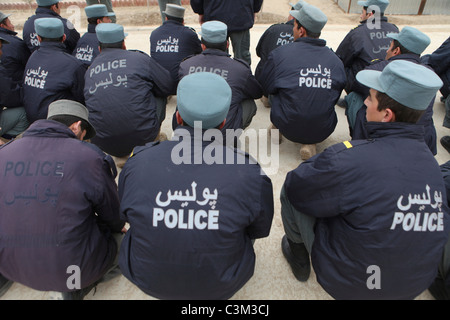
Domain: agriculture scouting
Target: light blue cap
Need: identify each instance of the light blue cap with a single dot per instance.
(298, 5)
(46, 3)
(110, 33)
(382, 4)
(203, 96)
(310, 17)
(97, 11)
(214, 31)
(408, 83)
(412, 39)
(51, 28)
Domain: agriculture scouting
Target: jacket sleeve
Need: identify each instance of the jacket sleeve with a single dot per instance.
(257, 5)
(266, 76)
(439, 60)
(253, 89)
(161, 78)
(346, 50)
(107, 204)
(261, 225)
(315, 187)
(77, 89)
(10, 92)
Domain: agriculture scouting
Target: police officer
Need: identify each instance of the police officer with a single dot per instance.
(13, 119)
(125, 94)
(172, 42)
(238, 15)
(51, 73)
(372, 213)
(275, 36)
(87, 47)
(406, 45)
(236, 72)
(49, 9)
(16, 53)
(439, 60)
(303, 92)
(366, 42)
(109, 7)
(60, 212)
(195, 243)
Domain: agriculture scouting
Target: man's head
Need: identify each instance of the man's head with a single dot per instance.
(110, 35)
(74, 115)
(2, 41)
(174, 12)
(296, 6)
(409, 40)
(214, 35)
(370, 7)
(5, 22)
(400, 93)
(309, 21)
(50, 4)
(49, 29)
(97, 14)
(204, 97)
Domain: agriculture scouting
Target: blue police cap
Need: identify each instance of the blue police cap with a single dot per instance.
(310, 17)
(412, 39)
(110, 33)
(382, 4)
(408, 83)
(97, 11)
(46, 3)
(214, 31)
(51, 28)
(203, 96)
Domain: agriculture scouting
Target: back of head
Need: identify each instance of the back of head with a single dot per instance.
(411, 39)
(49, 28)
(377, 5)
(214, 34)
(110, 33)
(311, 18)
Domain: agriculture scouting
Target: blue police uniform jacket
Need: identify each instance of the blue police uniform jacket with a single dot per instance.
(275, 36)
(120, 91)
(171, 43)
(236, 72)
(15, 55)
(58, 207)
(30, 36)
(10, 91)
(439, 60)
(360, 132)
(303, 90)
(87, 47)
(51, 74)
(362, 45)
(191, 230)
(238, 15)
(380, 205)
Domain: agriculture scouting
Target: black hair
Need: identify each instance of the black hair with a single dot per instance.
(373, 11)
(403, 50)
(44, 39)
(309, 33)
(181, 20)
(220, 46)
(402, 113)
(68, 120)
(115, 45)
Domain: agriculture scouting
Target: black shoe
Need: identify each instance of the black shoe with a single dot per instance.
(342, 103)
(78, 294)
(438, 289)
(445, 142)
(299, 262)
(5, 284)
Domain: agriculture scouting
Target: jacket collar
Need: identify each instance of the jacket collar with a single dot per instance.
(8, 31)
(49, 129)
(40, 10)
(395, 130)
(312, 41)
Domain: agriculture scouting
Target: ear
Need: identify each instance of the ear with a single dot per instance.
(124, 47)
(179, 119)
(389, 116)
(203, 47)
(64, 38)
(222, 124)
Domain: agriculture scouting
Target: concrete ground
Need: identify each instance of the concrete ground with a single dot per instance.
(273, 279)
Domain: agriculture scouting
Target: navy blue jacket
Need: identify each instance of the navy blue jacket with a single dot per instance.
(51, 74)
(238, 15)
(275, 36)
(58, 207)
(439, 60)
(87, 47)
(370, 198)
(304, 90)
(362, 45)
(10, 91)
(360, 131)
(171, 43)
(120, 92)
(198, 247)
(30, 36)
(15, 55)
(236, 72)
